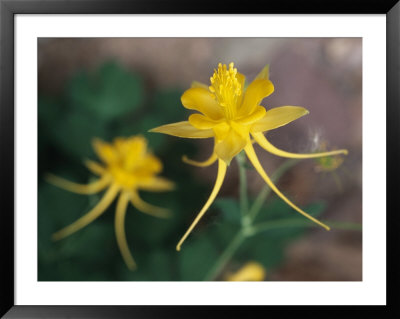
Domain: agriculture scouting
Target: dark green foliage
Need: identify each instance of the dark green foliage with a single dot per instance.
(268, 247)
(108, 93)
(197, 257)
(230, 209)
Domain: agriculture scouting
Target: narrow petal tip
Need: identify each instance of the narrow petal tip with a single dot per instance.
(153, 130)
(131, 267)
(344, 152)
(156, 129)
(178, 247)
(205, 163)
(166, 214)
(50, 178)
(55, 237)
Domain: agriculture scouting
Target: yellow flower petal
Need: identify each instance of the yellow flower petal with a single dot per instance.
(221, 131)
(251, 271)
(148, 208)
(94, 167)
(156, 184)
(201, 99)
(132, 151)
(152, 164)
(91, 188)
(183, 129)
(278, 117)
(218, 183)
(264, 74)
(242, 81)
(105, 151)
(230, 146)
(254, 160)
(205, 163)
(90, 216)
(265, 144)
(196, 84)
(120, 230)
(202, 122)
(258, 114)
(255, 93)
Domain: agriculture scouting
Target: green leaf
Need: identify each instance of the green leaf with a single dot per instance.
(49, 109)
(149, 232)
(73, 134)
(156, 141)
(53, 212)
(197, 257)
(264, 249)
(160, 265)
(230, 209)
(109, 92)
(168, 106)
(222, 233)
(164, 107)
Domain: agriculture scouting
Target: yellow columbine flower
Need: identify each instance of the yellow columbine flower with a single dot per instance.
(251, 271)
(127, 168)
(231, 114)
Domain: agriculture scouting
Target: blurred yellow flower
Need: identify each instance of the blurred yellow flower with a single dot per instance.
(251, 271)
(231, 114)
(126, 168)
(327, 163)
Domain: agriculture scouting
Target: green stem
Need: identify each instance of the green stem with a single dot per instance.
(302, 223)
(247, 215)
(264, 193)
(244, 203)
(225, 257)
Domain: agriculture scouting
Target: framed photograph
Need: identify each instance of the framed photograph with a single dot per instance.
(158, 155)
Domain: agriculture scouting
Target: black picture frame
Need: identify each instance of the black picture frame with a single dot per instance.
(8, 10)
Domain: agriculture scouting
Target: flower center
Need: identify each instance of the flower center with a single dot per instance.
(131, 162)
(226, 88)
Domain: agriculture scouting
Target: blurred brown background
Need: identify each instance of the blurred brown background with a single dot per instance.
(323, 75)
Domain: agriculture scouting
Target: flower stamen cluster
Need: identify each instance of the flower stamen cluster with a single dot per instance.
(226, 89)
